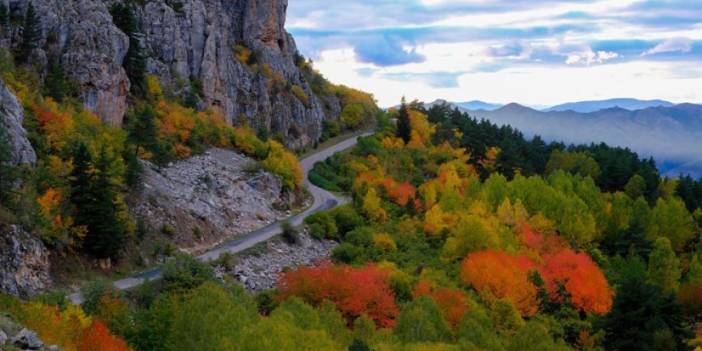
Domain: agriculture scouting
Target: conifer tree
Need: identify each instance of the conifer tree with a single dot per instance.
(135, 61)
(31, 33)
(664, 266)
(8, 172)
(56, 84)
(4, 16)
(98, 205)
(404, 128)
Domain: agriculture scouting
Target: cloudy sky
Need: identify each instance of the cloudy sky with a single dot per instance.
(536, 52)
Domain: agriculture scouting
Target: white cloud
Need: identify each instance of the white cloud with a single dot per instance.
(671, 45)
(589, 57)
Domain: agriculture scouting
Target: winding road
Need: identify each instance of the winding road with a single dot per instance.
(323, 200)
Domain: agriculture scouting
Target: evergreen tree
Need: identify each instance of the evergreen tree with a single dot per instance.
(8, 172)
(4, 16)
(404, 128)
(142, 129)
(56, 84)
(641, 313)
(359, 345)
(31, 33)
(135, 61)
(98, 205)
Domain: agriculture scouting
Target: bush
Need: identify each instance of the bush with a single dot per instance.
(300, 95)
(322, 225)
(93, 293)
(185, 273)
(290, 234)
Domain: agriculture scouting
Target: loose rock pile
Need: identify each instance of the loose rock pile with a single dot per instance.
(260, 271)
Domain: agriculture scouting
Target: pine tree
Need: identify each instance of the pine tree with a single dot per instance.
(56, 84)
(4, 16)
(404, 128)
(135, 61)
(8, 172)
(31, 33)
(98, 206)
(142, 129)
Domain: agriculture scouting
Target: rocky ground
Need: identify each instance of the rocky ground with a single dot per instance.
(259, 271)
(207, 199)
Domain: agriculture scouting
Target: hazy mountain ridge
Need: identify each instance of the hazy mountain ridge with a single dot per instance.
(670, 134)
(596, 105)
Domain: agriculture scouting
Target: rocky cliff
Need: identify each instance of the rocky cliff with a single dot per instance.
(11, 117)
(187, 41)
(24, 262)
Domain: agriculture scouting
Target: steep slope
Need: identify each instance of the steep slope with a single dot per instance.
(186, 43)
(594, 106)
(670, 134)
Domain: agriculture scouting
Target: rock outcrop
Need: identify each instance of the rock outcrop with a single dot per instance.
(91, 49)
(197, 41)
(11, 117)
(209, 198)
(24, 263)
(187, 41)
(14, 337)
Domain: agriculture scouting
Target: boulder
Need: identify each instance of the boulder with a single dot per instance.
(27, 340)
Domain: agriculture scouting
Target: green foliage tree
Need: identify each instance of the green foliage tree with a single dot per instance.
(671, 219)
(186, 273)
(404, 127)
(664, 266)
(31, 34)
(573, 162)
(694, 273)
(209, 316)
(635, 187)
(421, 321)
(141, 127)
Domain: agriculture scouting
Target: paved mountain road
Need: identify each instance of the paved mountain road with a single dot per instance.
(323, 200)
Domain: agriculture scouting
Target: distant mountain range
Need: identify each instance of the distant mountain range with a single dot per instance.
(672, 134)
(594, 106)
(580, 106)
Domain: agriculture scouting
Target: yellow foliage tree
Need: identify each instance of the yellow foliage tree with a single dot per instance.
(285, 164)
(372, 207)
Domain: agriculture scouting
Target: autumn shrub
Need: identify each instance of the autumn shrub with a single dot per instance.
(285, 164)
(301, 95)
(354, 291)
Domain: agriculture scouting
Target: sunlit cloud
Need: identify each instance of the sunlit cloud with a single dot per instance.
(505, 50)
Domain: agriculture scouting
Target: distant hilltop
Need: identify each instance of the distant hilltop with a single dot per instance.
(669, 133)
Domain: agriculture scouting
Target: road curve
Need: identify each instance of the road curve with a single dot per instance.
(323, 200)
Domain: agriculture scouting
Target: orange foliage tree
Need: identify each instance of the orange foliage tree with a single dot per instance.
(498, 275)
(98, 337)
(400, 193)
(581, 279)
(354, 291)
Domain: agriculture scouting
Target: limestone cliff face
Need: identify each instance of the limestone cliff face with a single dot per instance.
(187, 40)
(11, 117)
(24, 263)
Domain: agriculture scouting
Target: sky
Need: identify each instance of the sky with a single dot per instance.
(535, 52)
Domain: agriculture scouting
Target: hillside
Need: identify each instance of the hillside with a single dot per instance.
(594, 106)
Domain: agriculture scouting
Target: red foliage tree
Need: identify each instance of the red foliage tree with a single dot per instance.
(580, 278)
(498, 275)
(451, 302)
(98, 337)
(400, 193)
(354, 291)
